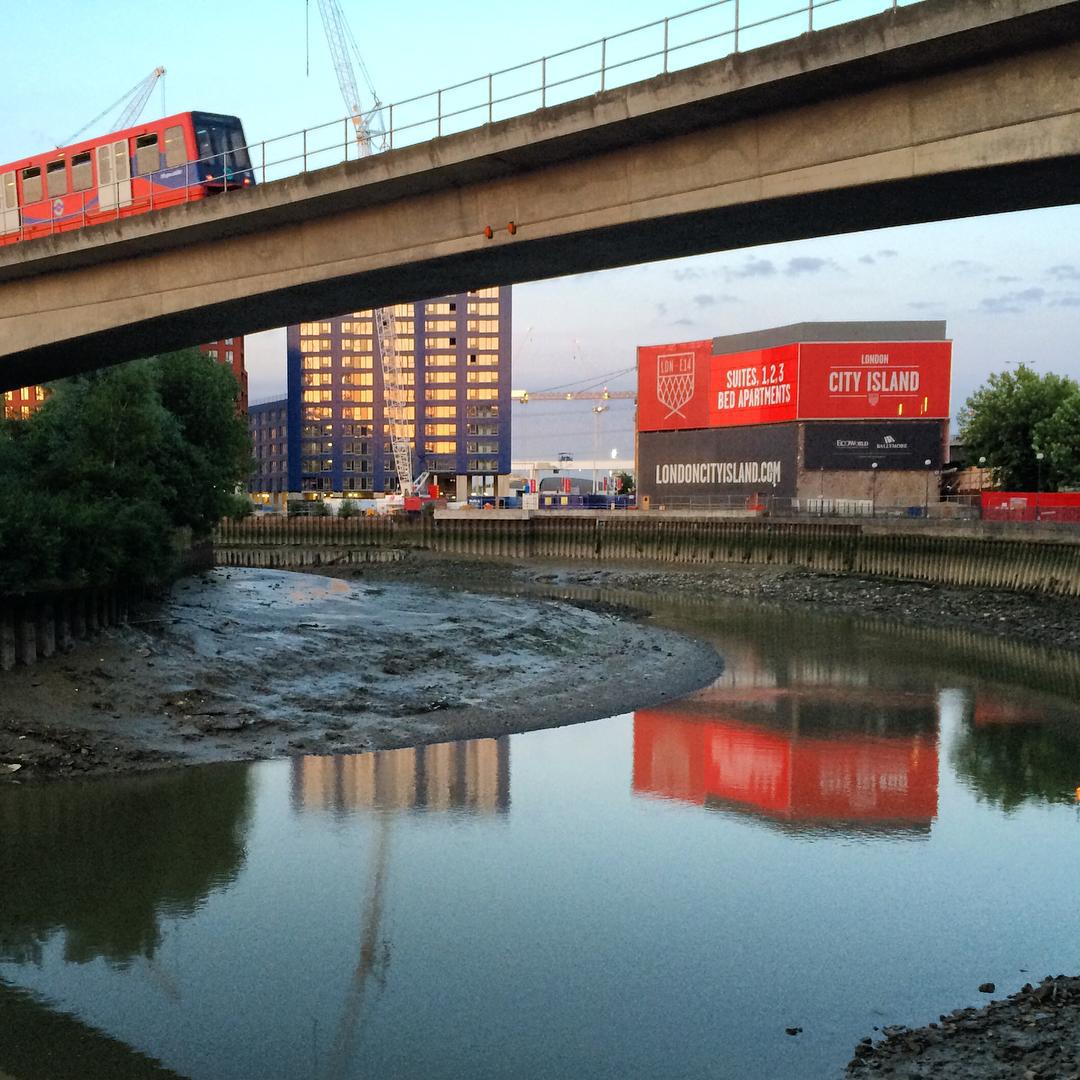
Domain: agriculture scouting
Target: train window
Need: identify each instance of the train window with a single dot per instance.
(31, 184)
(82, 172)
(146, 154)
(9, 203)
(175, 151)
(56, 178)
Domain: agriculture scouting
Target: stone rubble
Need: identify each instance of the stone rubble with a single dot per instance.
(1032, 1035)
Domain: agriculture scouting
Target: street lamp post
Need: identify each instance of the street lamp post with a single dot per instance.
(597, 411)
(926, 496)
(1038, 483)
(873, 489)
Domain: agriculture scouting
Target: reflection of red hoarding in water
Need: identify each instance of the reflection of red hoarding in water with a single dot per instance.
(859, 779)
(684, 386)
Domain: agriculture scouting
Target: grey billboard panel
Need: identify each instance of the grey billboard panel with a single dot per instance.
(901, 444)
(718, 461)
(885, 330)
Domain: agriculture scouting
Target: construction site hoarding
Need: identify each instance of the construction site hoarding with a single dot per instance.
(838, 445)
(681, 387)
(674, 386)
(755, 460)
(860, 380)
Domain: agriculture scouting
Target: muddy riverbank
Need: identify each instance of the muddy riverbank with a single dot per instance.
(248, 664)
(1042, 620)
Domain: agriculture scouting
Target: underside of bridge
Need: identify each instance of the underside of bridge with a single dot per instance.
(945, 109)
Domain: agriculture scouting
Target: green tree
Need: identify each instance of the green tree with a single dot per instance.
(208, 453)
(1058, 436)
(1016, 414)
(624, 483)
(97, 480)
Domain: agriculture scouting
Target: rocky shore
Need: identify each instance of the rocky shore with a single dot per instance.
(1032, 1035)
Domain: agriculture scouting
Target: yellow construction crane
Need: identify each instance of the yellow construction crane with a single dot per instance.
(523, 397)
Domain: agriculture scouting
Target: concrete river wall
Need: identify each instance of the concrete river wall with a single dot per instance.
(994, 555)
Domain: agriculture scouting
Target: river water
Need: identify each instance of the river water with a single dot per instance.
(855, 826)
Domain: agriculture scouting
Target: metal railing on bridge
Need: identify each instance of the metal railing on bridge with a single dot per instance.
(674, 43)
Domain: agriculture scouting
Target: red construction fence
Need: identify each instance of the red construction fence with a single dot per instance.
(1031, 506)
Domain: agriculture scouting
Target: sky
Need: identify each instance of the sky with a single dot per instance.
(1008, 285)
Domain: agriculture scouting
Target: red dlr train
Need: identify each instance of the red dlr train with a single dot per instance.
(161, 163)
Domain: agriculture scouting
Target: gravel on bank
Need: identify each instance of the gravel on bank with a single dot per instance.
(1032, 1035)
(244, 664)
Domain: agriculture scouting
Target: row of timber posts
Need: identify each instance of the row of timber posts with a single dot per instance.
(40, 625)
(966, 556)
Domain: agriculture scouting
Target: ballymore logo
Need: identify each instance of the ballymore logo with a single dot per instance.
(675, 382)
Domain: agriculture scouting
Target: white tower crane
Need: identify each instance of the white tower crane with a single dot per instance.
(131, 105)
(347, 61)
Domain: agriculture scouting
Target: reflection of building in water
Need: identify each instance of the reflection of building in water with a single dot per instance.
(473, 775)
(822, 780)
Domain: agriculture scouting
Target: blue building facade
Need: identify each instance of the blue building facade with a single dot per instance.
(268, 426)
(455, 353)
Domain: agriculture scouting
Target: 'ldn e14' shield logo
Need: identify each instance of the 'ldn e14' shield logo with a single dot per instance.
(675, 381)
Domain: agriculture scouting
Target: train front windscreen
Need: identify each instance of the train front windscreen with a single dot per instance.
(223, 148)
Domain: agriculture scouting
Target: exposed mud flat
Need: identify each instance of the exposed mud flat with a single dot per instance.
(245, 664)
(1047, 620)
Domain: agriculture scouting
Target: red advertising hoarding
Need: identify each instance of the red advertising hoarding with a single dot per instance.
(684, 386)
(759, 387)
(860, 380)
(673, 386)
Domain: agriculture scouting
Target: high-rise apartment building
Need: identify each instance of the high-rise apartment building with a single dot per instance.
(455, 354)
(230, 352)
(19, 404)
(268, 427)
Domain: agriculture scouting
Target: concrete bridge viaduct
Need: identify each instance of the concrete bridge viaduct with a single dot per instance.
(944, 109)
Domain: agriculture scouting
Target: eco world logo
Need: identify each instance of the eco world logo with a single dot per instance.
(675, 382)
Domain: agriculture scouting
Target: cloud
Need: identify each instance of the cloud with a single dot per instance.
(683, 322)
(1064, 272)
(926, 305)
(868, 259)
(888, 253)
(661, 311)
(1012, 303)
(754, 268)
(964, 267)
(805, 264)
(709, 299)
(1006, 279)
(1066, 301)
(688, 273)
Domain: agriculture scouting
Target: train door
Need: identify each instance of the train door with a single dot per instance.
(9, 204)
(114, 175)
